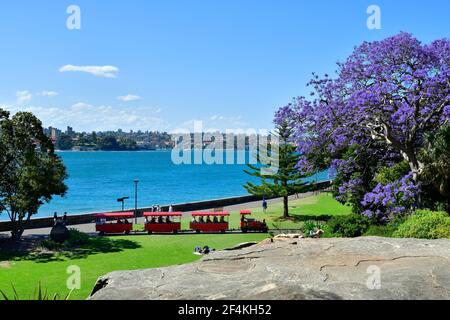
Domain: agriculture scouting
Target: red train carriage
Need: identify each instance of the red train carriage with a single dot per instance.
(252, 225)
(163, 222)
(114, 223)
(210, 222)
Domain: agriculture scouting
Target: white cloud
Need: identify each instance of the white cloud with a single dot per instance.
(86, 117)
(129, 98)
(223, 118)
(98, 71)
(49, 94)
(23, 96)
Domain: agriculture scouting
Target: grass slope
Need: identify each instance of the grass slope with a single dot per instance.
(104, 255)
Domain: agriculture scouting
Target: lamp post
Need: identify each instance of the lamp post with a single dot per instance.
(135, 199)
(123, 202)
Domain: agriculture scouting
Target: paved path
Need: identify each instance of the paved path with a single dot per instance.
(90, 228)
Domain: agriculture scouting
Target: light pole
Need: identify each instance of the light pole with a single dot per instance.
(123, 202)
(135, 199)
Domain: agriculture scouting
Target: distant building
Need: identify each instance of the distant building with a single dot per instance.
(70, 131)
(54, 134)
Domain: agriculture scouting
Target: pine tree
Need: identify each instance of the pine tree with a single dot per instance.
(287, 180)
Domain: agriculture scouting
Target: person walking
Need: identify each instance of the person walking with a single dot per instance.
(264, 205)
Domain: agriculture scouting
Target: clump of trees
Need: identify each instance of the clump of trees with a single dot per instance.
(30, 171)
(381, 125)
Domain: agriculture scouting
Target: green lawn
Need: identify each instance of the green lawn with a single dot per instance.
(108, 254)
(128, 253)
(320, 207)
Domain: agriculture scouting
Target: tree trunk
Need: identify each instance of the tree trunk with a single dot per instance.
(409, 154)
(286, 207)
(16, 230)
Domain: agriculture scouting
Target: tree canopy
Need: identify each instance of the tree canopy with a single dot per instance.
(287, 179)
(30, 171)
(374, 114)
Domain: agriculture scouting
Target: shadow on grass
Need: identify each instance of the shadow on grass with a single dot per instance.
(95, 245)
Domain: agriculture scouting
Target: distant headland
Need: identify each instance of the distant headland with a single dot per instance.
(119, 140)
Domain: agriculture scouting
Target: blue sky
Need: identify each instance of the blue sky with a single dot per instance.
(228, 63)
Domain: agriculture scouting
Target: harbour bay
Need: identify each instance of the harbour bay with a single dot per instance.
(97, 179)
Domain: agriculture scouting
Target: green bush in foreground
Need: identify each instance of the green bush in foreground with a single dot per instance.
(387, 230)
(425, 224)
(76, 239)
(349, 226)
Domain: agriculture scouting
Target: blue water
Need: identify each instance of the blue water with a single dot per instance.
(97, 179)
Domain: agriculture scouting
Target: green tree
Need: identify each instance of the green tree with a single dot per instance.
(436, 157)
(108, 143)
(127, 144)
(64, 142)
(284, 182)
(30, 171)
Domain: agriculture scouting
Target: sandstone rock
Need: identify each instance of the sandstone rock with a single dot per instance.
(289, 236)
(306, 269)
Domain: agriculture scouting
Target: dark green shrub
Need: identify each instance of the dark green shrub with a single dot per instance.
(310, 225)
(76, 239)
(349, 226)
(49, 244)
(380, 231)
(425, 224)
(386, 230)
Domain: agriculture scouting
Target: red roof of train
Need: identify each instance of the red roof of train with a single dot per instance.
(246, 212)
(115, 215)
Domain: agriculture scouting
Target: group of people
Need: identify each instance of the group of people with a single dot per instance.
(202, 251)
(58, 220)
(208, 219)
(158, 208)
(159, 220)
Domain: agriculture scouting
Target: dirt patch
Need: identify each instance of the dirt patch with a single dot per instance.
(5, 265)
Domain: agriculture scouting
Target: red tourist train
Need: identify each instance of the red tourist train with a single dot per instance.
(114, 223)
(170, 222)
(163, 222)
(252, 225)
(210, 222)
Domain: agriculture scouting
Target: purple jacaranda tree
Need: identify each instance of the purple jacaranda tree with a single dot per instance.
(387, 95)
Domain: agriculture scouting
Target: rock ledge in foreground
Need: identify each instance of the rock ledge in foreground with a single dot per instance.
(296, 269)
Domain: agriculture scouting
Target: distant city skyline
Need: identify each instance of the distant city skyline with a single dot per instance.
(162, 65)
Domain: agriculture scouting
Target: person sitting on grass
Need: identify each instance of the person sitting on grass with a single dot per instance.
(316, 234)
